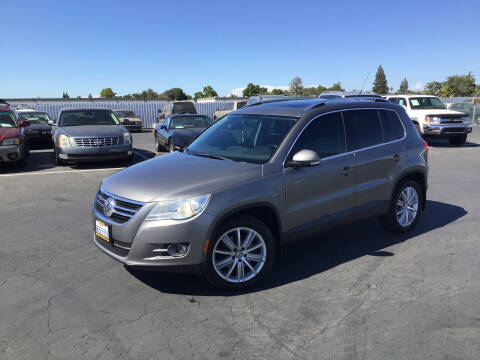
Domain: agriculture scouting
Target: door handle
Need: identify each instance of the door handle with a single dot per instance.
(396, 158)
(347, 170)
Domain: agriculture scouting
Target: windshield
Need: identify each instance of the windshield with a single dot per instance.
(87, 117)
(418, 103)
(184, 108)
(243, 137)
(35, 117)
(127, 114)
(7, 120)
(188, 122)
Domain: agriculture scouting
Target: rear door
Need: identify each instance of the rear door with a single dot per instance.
(373, 137)
(323, 194)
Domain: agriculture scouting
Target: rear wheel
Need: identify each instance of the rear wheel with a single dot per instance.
(458, 140)
(242, 253)
(405, 209)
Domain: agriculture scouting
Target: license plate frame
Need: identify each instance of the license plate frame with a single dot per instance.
(103, 231)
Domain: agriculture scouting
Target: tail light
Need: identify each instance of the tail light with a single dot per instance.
(425, 146)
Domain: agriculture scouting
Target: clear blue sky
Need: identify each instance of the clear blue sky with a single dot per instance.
(83, 46)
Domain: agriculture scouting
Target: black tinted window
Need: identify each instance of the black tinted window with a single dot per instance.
(392, 128)
(184, 108)
(363, 128)
(325, 136)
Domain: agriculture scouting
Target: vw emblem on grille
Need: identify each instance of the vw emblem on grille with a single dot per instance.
(108, 207)
(97, 142)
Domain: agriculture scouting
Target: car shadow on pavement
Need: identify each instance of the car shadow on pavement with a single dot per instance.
(40, 159)
(444, 143)
(311, 256)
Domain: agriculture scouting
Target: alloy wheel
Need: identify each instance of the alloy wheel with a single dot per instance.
(239, 255)
(407, 206)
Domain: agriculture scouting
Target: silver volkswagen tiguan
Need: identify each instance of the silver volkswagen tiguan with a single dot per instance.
(261, 176)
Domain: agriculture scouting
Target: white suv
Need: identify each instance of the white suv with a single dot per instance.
(432, 118)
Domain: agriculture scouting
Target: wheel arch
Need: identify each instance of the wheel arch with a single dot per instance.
(417, 176)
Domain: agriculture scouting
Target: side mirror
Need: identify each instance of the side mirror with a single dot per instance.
(164, 127)
(51, 123)
(24, 123)
(304, 158)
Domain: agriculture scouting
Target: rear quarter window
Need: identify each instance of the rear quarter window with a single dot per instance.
(391, 125)
(363, 128)
(184, 108)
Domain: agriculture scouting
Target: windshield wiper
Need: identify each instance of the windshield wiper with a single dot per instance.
(212, 156)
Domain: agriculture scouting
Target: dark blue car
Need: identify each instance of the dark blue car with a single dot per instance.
(178, 131)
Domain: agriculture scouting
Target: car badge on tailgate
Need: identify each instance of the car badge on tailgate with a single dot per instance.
(109, 207)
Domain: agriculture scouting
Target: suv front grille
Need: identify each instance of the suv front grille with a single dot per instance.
(96, 141)
(124, 209)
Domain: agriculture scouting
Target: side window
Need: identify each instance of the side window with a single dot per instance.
(393, 100)
(325, 136)
(402, 101)
(392, 128)
(363, 128)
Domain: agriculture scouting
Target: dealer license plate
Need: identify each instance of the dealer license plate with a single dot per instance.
(102, 231)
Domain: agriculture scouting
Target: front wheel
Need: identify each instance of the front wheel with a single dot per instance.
(405, 209)
(458, 140)
(242, 253)
(158, 147)
(58, 161)
(171, 145)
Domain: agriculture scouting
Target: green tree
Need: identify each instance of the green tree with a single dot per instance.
(380, 85)
(296, 86)
(198, 95)
(461, 85)
(321, 88)
(90, 96)
(251, 90)
(278, 92)
(477, 93)
(432, 88)
(403, 89)
(175, 94)
(335, 87)
(446, 91)
(107, 93)
(128, 96)
(209, 92)
(65, 95)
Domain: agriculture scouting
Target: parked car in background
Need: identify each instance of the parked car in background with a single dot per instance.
(176, 107)
(343, 94)
(467, 108)
(257, 99)
(14, 146)
(432, 118)
(227, 108)
(129, 119)
(40, 129)
(178, 131)
(260, 177)
(90, 134)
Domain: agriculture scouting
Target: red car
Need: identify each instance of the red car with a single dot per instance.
(13, 146)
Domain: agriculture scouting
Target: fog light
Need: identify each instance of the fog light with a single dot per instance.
(177, 249)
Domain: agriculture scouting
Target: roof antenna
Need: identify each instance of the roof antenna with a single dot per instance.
(360, 93)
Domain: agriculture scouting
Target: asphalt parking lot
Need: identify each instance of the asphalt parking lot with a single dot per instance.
(353, 293)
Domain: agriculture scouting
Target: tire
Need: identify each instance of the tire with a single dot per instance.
(58, 161)
(235, 276)
(22, 162)
(171, 145)
(392, 221)
(458, 140)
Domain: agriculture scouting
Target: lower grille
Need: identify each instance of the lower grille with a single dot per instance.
(123, 209)
(117, 247)
(96, 141)
(453, 130)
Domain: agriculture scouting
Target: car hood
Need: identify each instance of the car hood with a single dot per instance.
(185, 136)
(37, 127)
(8, 133)
(178, 176)
(423, 113)
(93, 130)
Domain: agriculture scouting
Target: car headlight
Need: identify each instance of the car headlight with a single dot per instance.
(127, 138)
(179, 209)
(65, 141)
(465, 119)
(11, 141)
(432, 119)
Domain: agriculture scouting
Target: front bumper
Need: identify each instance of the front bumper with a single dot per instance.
(9, 153)
(446, 130)
(80, 154)
(136, 243)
